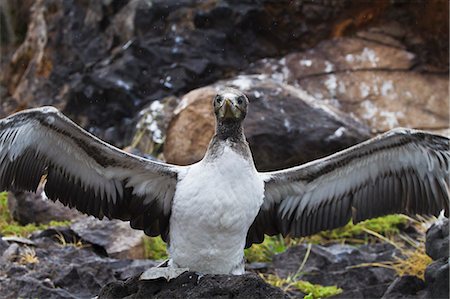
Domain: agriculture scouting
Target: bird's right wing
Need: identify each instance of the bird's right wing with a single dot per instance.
(84, 172)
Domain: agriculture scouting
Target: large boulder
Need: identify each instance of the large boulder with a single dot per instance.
(117, 237)
(284, 126)
(375, 82)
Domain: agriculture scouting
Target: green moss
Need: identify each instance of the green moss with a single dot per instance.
(4, 212)
(316, 291)
(9, 227)
(386, 226)
(155, 248)
(313, 291)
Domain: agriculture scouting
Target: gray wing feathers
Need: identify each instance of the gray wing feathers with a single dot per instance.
(402, 171)
(84, 172)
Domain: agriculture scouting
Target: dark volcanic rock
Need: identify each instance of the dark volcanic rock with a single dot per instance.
(101, 61)
(63, 271)
(285, 126)
(437, 278)
(117, 238)
(3, 245)
(332, 265)
(104, 60)
(28, 207)
(191, 285)
(404, 287)
(437, 240)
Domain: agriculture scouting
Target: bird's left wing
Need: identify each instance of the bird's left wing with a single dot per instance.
(401, 171)
(84, 172)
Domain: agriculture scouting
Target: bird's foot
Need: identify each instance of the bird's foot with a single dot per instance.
(168, 273)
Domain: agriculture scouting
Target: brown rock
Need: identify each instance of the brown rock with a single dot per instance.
(339, 55)
(191, 128)
(371, 81)
(384, 100)
(284, 126)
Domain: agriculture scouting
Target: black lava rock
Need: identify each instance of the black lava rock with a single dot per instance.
(436, 278)
(404, 287)
(437, 240)
(63, 271)
(29, 207)
(191, 285)
(332, 265)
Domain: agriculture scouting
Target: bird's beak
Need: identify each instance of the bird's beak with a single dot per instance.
(228, 110)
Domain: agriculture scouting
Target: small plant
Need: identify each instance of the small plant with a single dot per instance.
(28, 256)
(4, 211)
(155, 248)
(413, 259)
(75, 243)
(272, 245)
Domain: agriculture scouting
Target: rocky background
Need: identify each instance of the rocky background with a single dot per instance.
(321, 75)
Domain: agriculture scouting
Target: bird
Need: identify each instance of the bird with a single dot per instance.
(210, 211)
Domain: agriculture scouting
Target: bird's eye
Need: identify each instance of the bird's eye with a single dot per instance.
(219, 100)
(240, 100)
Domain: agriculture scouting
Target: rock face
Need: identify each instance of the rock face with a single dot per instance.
(191, 285)
(101, 62)
(373, 81)
(28, 207)
(284, 127)
(105, 60)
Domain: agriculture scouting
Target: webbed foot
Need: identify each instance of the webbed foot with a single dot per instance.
(168, 273)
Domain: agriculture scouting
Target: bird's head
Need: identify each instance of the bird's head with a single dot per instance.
(230, 105)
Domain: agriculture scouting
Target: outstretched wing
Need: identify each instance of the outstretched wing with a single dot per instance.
(401, 171)
(84, 172)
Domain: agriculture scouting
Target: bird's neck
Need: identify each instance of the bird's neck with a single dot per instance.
(229, 130)
(228, 135)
